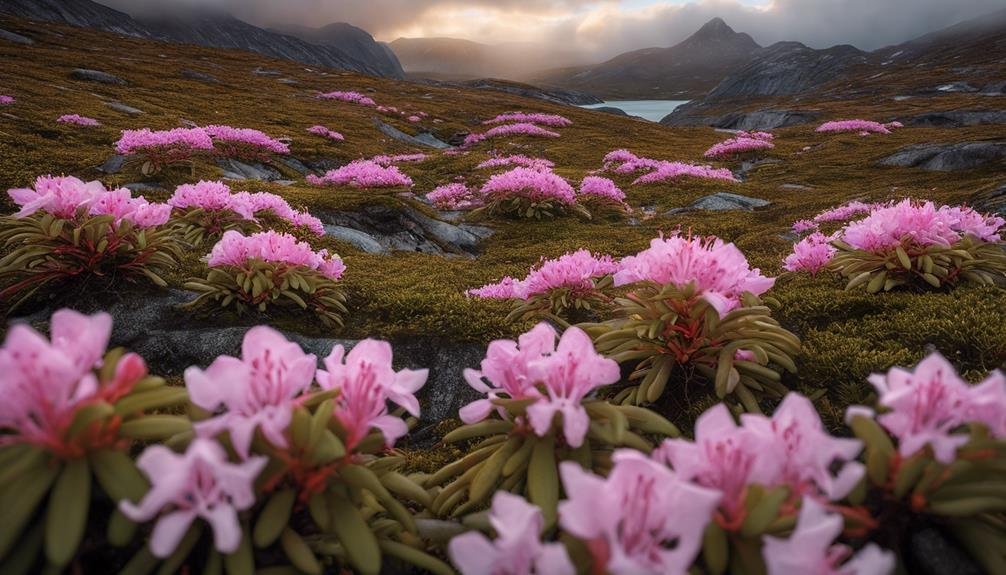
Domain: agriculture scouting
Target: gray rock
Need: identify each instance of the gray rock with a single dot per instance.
(296, 165)
(723, 201)
(799, 187)
(424, 139)
(947, 157)
(260, 71)
(96, 76)
(238, 170)
(956, 87)
(199, 76)
(957, 118)
(932, 553)
(747, 166)
(113, 164)
(362, 240)
(15, 38)
(124, 108)
(767, 119)
(994, 89)
(611, 110)
(141, 187)
(403, 228)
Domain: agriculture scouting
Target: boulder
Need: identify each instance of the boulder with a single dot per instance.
(723, 201)
(199, 76)
(238, 170)
(15, 38)
(96, 76)
(124, 108)
(422, 139)
(957, 118)
(947, 157)
(611, 110)
(994, 89)
(113, 164)
(767, 119)
(956, 87)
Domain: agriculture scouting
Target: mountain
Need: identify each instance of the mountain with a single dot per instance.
(354, 41)
(206, 27)
(685, 70)
(456, 59)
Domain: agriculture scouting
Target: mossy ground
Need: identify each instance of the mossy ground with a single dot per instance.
(846, 335)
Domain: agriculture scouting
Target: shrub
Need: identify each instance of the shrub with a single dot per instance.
(327, 133)
(552, 120)
(363, 174)
(67, 229)
(861, 127)
(528, 193)
(351, 97)
(244, 143)
(575, 283)
(398, 159)
(456, 196)
(694, 306)
(78, 120)
(530, 382)
(519, 129)
(745, 144)
(157, 149)
(6, 100)
(625, 162)
(811, 254)
(520, 160)
(270, 269)
(600, 195)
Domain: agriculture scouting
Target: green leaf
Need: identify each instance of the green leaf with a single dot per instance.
(118, 476)
(424, 561)
(243, 559)
(354, 533)
(155, 427)
(19, 499)
(543, 479)
(274, 517)
(299, 554)
(121, 529)
(67, 512)
(158, 398)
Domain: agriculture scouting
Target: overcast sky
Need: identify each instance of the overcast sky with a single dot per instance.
(604, 28)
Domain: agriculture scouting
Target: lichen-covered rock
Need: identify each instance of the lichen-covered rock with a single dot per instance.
(89, 75)
(723, 201)
(947, 157)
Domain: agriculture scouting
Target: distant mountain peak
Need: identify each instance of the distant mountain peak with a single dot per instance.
(714, 27)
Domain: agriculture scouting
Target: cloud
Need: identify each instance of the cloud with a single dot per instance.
(603, 28)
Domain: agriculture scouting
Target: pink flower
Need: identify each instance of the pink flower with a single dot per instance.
(306, 220)
(414, 118)
(718, 271)
(864, 127)
(232, 138)
(506, 368)
(363, 174)
(61, 196)
(199, 483)
(517, 550)
(618, 157)
(521, 160)
(569, 374)
(180, 142)
(575, 271)
(845, 211)
(920, 224)
(235, 249)
(519, 129)
(6, 100)
(78, 120)
(801, 226)
(506, 288)
(323, 131)
(351, 97)
(553, 120)
(811, 254)
(366, 382)
(643, 519)
(123, 206)
(811, 460)
(809, 550)
(147, 215)
(987, 404)
(603, 188)
(670, 170)
(456, 196)
(737, 146)
(397, 159)
(212, 197)
(531, 184)
(257, 391)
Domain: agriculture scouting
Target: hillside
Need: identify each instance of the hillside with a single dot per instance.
(457, 59)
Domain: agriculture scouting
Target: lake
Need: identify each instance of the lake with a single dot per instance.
(652, 110)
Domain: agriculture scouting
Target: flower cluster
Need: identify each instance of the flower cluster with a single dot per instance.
(861, 127)
(519, 129)
(603, 189)
(811, 254)
(743, 143)
(65, 196)
(245, 143)
(235, 249)
(6, 100)
(215, 198)
(326, 132)
(455, 196)
(121, 205)
(163, 147)
(534, 185)
(540, 164)
(552, 120)
(922, 222)
(78, 120)
(398, 159)
(625, 162)
(351, 97)
(574, 271)
(363, 174)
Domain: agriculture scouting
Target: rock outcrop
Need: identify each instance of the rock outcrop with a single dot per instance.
(947, 157)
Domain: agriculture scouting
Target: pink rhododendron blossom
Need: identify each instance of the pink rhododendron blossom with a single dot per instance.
(46, 381)
(366, 382)
(517, 549)
(737, 146)
(235, 249)
(801, 226)
(61, 196)
(767, 136)
(180, 142)
(120, 204)
(521, 160)
(198, 483)
(858, 126)
(553, 120)
(810, 550)
(603, 188)
(456, 196)
(575, 271)
(78, 120)
(6, 100)
(527, 183)
(257, 390)
(643, 519)
(987, 404)
(506, 368)
(211, 196)
(323, 131)
(363, 174)
(894, 125)
(351, 97)
(569, 374)
(414, 118)
(306, 220)
(520, 129)
(671, 170)
(921, 224)
(845, 212)
(811, 254)
(506, 288)
(810, 460)
(225, 137)
(398, 159)
(618, 157)
(718, 271)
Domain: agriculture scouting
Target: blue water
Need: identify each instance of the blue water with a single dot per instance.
(652, 110)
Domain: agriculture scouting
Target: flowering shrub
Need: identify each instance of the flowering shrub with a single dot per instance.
(156, 149)
(694, 306)
(540, 164)
(519, 129)
(744, 143)
(78, 120)
(552, 120)
(625, 162)
(327, 133)
(528, 193)
(456, 196)
(244, 143)
(861, 127)
(398, 159)
(573, 283)
(351, 97)
(71, 414)
(363, 174)
(6, 100)
(601, 195)
(271, 269)
(67, 229)
(811, 254)
(527, 383)
(916, 243)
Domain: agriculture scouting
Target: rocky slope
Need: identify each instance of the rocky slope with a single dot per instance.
(344, 46)
(356, 42)
(685, 70)
(456, 59)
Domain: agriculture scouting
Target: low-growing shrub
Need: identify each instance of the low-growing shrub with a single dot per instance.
(157, 149)
(326, 132)
(77, 120)
(601, 196)
(519, 129)
(744, 144)
(528, 193)
(363, 174)
(861, 127)
(552, 120)
(244, 143)
(456, 196)
(351, 97)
